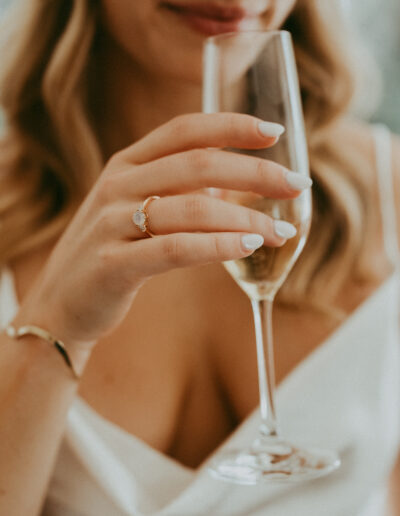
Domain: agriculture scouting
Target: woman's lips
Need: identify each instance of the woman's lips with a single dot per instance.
(211, 19)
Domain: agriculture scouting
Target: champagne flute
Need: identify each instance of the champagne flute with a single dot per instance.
(254, 72)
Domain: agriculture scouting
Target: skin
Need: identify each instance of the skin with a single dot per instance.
(111, 281)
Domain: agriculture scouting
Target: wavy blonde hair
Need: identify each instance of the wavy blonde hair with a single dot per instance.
(49, 139)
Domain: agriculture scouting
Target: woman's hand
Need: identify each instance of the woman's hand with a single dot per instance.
(88, 284)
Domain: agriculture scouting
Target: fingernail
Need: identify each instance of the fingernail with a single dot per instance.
(284, 229)
(252, 241)
(270, 129)
(297, 181)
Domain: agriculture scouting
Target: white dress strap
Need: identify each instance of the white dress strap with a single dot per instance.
(384, 167)
(8, 298)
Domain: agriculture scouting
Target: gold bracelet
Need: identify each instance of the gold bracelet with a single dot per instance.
(14, 333)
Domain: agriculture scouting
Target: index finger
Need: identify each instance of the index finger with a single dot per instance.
(201, 130)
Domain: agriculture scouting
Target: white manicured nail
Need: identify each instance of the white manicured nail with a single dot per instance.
(270, 129)
(252, 241)
(297, 181)
(284, 229)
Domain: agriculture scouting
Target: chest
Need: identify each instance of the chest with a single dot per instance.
(185, 354)
(315, 408)
(154, 377)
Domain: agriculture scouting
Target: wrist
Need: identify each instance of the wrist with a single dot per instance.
(74, 354)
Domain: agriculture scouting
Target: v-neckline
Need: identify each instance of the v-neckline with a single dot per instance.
(289, 378)
(80, 403)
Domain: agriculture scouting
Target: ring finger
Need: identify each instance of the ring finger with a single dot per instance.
(201, 213)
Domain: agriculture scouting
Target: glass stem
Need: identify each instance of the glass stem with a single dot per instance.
(262, 311)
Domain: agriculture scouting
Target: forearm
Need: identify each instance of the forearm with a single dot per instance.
(36, 390)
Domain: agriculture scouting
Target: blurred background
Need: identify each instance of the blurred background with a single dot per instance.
(376, 24)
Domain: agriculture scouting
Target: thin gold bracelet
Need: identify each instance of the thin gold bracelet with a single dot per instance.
(29, 329)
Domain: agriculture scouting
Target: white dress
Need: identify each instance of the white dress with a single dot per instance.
(345, 396)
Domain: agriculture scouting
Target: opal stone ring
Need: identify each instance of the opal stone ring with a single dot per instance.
(141, 218)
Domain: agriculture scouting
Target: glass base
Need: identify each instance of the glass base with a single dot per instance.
(273, 461)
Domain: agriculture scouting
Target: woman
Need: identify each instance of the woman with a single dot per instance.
(101, 101)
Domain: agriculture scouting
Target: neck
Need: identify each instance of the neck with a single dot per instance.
(130, 102)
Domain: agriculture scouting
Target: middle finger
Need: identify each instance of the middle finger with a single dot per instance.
(204, 168)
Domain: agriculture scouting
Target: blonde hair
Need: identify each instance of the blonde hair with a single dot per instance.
(336, 249)
(50, 156)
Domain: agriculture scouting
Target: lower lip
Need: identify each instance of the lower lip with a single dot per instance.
(210, 26)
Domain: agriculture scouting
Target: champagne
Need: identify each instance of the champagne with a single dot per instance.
(261, 274)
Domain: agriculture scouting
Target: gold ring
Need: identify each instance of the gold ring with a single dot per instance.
(141, 218)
